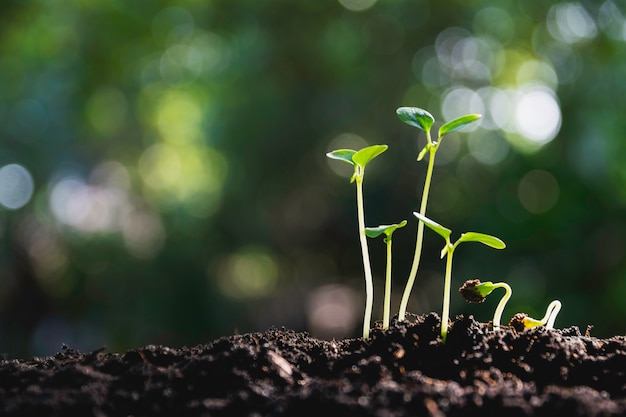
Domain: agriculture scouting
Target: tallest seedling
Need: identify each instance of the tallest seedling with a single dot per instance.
(424, 120)
(359, 159)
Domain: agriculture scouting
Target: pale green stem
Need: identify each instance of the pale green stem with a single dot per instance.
(420, 234)
(445, 315)
(387, 303)
(369, 287)
(551, 313)
(500, 308)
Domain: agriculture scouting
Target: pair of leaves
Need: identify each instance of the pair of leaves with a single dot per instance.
(423, 120)
(444, 232)
(413, 116)
(387, 229)
(360, 158)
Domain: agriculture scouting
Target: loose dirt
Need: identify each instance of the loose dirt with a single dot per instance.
(402, 371)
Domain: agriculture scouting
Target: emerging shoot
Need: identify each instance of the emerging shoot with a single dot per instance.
(359, 159)
(448, 250)
(423, 120)
(475, 291)
(388, 230)
(521, 321)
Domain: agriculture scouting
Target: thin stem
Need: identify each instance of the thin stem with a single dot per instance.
(387, 302)
(500, 308)
(551, 313)
(445, 315)
(369, 287)
(420, 233)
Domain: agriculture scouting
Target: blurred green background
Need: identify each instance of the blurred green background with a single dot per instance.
(163, 176)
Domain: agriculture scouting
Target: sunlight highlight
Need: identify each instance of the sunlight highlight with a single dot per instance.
(571, 23)
(537, 115)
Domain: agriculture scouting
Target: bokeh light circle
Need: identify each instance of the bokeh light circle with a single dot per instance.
(538, 191)
(357, 5)
(538, 115)
(16, 186)
(460, 101)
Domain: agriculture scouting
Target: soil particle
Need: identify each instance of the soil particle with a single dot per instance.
(402, 371)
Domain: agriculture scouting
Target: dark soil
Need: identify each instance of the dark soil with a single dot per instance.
(404, 371)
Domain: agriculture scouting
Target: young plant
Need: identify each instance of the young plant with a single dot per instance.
(387, 230)
(424, 120)
(475, 291)
(359, 159)
(448, 250)
(521, 321)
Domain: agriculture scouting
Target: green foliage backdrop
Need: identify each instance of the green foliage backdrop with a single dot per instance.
(163, 175)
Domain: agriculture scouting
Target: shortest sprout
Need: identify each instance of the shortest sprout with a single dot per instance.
(521, 321)
(475, 291)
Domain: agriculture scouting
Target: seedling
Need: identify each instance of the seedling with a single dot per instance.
(359, 159)
(475, 291)
(424, 120)
(387, 230)
(521, 321)
(448, 250)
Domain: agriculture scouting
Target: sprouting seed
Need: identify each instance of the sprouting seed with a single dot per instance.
(475, 291)
(521, 321)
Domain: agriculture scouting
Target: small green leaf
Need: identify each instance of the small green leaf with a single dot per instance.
(365, 155)
(488, 240)
(417, 117)
(457, 124)
(387, 229)
(441, 231)
(342, 155)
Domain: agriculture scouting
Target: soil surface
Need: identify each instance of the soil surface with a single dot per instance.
(402, 371)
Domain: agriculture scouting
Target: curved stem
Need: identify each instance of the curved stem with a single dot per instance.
(548, 320)
(500, 308)
(387, 303)
(445, 315)
(369, 287)
(420, 234)
(553, 309)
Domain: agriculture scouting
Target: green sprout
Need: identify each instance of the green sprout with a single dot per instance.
(448, 250)
(475, 291)
(521, 321)
(424, 120)
(388, 230)
(359, 159)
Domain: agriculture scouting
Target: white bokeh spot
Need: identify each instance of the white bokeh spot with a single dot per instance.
(538, 115)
